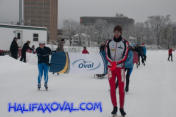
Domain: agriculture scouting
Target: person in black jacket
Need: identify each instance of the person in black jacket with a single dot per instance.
(14, 48)
(43, 63)
(139, 50)
(23, 51)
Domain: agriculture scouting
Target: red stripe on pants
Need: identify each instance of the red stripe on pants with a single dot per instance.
(120, 74)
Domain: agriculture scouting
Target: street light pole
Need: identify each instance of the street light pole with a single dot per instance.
(20, 11)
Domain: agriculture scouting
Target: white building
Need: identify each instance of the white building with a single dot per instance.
(80, 39)
(23, 33)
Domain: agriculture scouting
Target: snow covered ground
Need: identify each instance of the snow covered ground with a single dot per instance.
(152, 90)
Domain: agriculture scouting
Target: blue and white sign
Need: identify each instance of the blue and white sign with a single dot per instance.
(86, 63)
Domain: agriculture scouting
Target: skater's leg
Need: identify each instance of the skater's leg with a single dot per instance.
(138, 60)
(171, 57)
(22, 56)
(112, 84)
(21, 59)
(127, 79)
(143, 60)
(145, 57)
(121, 81)
(40, 69)
(25, 57)
(46, 73)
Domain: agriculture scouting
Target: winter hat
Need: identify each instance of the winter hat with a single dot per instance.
(41, 42)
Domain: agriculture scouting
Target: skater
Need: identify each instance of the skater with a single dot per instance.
(103, 53)
(144, 52)
(116, 54)
(139, 50)
(24, 50)
(170, 54)
(85, 51)
(14, 48)
(128, 67)
(43, 53)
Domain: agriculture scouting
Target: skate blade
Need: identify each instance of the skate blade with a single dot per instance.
(115, 115)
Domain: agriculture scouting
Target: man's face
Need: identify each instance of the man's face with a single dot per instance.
(42, 45)
(117, 34)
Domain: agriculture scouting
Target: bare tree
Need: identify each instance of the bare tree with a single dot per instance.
(70, 28)
(156, 24)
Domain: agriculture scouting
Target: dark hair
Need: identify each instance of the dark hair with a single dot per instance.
(28, 41)
(118, 28)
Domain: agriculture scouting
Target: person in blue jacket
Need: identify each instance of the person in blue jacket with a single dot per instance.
(103, 53)
(129, 67)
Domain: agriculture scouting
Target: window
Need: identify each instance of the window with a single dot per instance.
(35, 37)
(19, 35)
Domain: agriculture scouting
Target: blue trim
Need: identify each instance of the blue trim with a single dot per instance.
(104, 62)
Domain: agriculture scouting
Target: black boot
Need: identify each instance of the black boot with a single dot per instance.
(123, 113)
(39, 86)
(114, 110)
(126, 89)
(46, 86)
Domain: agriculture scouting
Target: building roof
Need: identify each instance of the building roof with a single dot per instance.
(88, 20)
(23, 27)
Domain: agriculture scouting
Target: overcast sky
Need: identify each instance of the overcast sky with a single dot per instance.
(73, 9)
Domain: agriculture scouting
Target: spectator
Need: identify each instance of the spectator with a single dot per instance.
(23, 51)
(85, 51)
(170, 54)
(14, 48)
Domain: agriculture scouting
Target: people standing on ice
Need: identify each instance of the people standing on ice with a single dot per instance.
(14, 48)
(43, 53)
(116, 54)
(24, 50)
(170, 54)
(85, 51)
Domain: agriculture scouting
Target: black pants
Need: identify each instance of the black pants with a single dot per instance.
(170, 56)
(145, 57)
(23, 57)
(127, 78)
